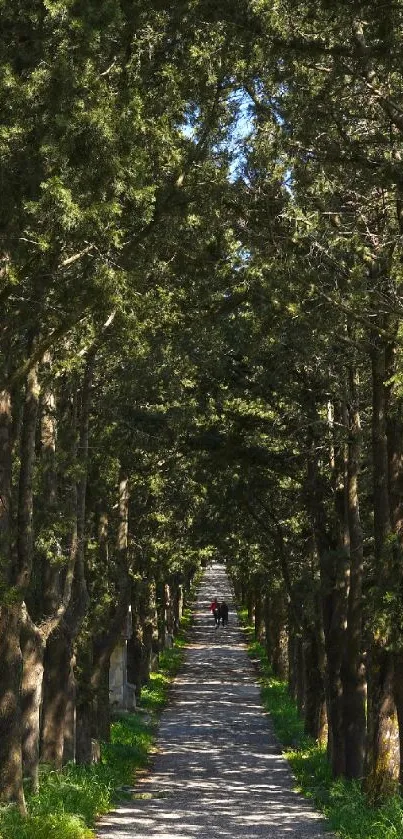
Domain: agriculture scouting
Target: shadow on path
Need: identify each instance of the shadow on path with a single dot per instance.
(219, 770)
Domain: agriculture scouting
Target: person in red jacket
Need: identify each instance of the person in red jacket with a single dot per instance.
(214, 609)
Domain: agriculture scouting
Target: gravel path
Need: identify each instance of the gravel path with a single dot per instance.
(219, 771)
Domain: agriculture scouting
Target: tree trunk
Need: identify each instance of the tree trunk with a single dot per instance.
(354, 681)
(382, 765)
(135, 646)
(58, 655)
(250, 605)
(279, 634)
(70, 719)
(95, 659)
(394, 431)
(10, 618)
(398, 696)
(149, 623)
(33, 645)
(178, 605)
(33, 649)
(84, 699)
(295, 668)
(259, 623)
(171, 610)
(300, 675)
(25, 495)
(163, 607)
(333, 566)
(267, 625)
(314, 687)
(54, 600)
(60, 645)
(11, 788)
(103, 711)
(383, 746)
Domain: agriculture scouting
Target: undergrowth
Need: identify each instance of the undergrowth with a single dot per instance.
(70, 801)
(342, 802)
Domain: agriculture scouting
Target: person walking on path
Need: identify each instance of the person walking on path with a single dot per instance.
(215, 608)
(223, 613)
(219, 768)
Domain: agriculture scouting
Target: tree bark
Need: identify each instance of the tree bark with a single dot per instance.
(11, 789)
(394, 433)
(70, 719)
(267, 625)
(177, 605)
(10, 709)
(60, 644)
(354, 680)
(333, 565)
(18, 578)
(25, 494)
(314, 687)
(53, 606)
(58, 656)
(149, 622)
(295, 668)
(259, 623)
(95, 659)
(32, 643)
(278, 634)
(250, 604)
(382, 767)
(33, 648)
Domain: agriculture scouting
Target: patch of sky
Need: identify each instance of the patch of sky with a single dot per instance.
(190, 123)
(288, 181)
(241, 130)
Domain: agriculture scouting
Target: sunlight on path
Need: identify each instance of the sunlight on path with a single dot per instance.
(219, 771)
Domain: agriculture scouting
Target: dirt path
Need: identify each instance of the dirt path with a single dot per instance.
(219, 772)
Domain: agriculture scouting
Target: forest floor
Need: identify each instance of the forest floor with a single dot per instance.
(218, 770)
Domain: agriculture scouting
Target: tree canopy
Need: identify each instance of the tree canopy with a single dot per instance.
(201, 351)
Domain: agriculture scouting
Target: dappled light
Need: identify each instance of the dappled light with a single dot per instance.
(219, 767)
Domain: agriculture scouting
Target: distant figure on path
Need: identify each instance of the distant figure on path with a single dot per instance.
(223, 613)
(214, 608)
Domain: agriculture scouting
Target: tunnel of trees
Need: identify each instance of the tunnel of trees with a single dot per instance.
(201, 355)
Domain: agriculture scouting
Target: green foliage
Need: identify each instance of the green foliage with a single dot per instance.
(62, 825)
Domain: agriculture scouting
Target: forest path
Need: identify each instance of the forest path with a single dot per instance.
(219, 771)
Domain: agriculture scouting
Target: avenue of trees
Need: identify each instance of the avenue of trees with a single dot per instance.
(201, 356)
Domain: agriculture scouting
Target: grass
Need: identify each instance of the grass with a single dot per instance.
(342, 802)
(70, 801)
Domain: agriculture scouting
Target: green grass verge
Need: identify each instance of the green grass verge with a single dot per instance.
(70, 801)
(342, 802)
